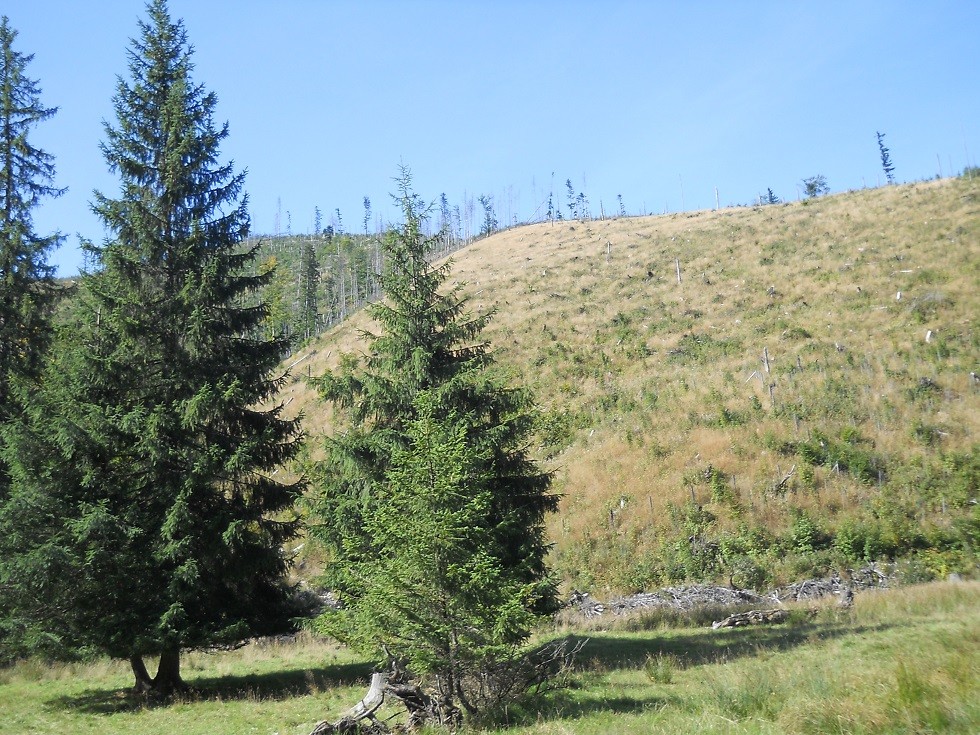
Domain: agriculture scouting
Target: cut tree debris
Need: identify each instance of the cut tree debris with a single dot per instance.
(685, 599)
(753, 617)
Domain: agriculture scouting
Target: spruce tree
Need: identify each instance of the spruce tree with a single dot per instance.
(144, 519)
(26, 178)
(309, 281)
(435, 435)
(489, 225)
(886, 160)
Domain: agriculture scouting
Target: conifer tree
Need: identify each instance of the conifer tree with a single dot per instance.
(367, 215)
(309, 274)
(572, 200)
(489, 225)
(815, 186)
(26, 177)
(434, 434)
(143, 520)
(886, 160)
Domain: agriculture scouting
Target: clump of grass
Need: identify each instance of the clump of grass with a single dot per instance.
(660, 668)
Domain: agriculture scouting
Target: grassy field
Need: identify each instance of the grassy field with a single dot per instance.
(806, 382)
(901, 661)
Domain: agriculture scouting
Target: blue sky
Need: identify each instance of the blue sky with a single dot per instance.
(660, 102)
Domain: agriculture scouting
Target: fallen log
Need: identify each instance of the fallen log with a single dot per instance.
(752, 617)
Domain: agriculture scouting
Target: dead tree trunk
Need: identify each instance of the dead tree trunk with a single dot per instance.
(363, 710)
(423, 709)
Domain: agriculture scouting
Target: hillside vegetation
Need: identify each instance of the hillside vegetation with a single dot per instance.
(801, 397)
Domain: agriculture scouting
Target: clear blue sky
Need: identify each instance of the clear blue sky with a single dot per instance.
(659, 102)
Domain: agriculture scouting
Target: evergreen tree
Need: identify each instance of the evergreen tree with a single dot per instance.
(489, 216)
(142, 524)
(309, 274)
(886, 160)
(26, 177)
(446, 223)
(572, 200)
(435, 435)
(814, 186)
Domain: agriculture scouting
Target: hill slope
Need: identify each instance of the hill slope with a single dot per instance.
(801, 397)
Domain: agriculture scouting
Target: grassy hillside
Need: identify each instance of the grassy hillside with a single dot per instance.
(801, 399)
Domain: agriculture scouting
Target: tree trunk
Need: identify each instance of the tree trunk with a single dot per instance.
(167, 681)
(144, 683)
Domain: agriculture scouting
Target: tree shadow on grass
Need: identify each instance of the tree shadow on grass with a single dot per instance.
(573, 704)
(275, 685)
(609, 652)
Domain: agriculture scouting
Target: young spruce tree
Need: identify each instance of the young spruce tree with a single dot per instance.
(428, 501)
(144, 520)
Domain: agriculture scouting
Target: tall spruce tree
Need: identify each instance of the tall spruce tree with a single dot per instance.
(309, 284)
(436, 436)
(143, 523)
(26, 177)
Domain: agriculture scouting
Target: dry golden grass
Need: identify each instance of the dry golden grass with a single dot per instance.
(658, 380)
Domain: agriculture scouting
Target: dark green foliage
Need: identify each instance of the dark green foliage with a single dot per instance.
(309, 274)
(27, 291)
(143, 520)
(26, 177)
(850, 453)
(433, 435)
(702, 348)
(805, 535)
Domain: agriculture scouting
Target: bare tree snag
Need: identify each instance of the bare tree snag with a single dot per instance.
(363, 710)
(778, 486)
(422, 708)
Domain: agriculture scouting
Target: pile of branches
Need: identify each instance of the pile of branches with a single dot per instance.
(694, 597)
(683, 599)
(867, 578)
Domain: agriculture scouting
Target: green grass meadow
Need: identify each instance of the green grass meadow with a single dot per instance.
(900, 661)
